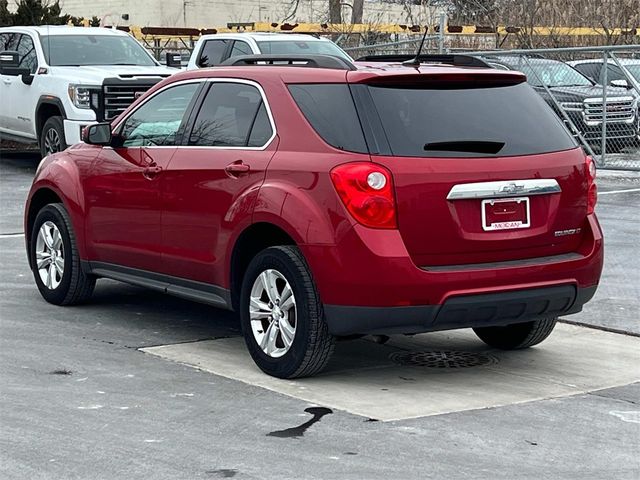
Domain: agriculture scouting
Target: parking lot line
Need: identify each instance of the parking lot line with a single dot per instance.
(628, 190)
(368, 379)
(11, 235)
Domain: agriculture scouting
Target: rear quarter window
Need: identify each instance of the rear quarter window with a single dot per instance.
(468, 122)
(330, 110)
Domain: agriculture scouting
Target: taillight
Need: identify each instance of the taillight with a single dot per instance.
(592, 189)
(366, 189)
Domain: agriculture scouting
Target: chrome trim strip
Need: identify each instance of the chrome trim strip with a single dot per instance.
(504, 189)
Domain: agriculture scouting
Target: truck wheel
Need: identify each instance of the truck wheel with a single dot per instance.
(52, 138)
(54, 258)
(518, 335)
(282, 317)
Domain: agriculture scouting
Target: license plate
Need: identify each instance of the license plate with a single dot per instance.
(505, 213)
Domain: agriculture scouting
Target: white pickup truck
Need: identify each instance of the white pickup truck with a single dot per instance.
(56, 80)
(212, 50)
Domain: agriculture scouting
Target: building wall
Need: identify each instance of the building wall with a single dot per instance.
(212, 13)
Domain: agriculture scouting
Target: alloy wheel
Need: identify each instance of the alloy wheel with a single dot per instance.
(50, 255)
(52, 141)
(272, 311)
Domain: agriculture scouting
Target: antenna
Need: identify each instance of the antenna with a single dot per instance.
(415, 62)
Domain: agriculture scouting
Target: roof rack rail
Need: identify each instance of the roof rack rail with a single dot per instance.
(312, 61)
(452, 59)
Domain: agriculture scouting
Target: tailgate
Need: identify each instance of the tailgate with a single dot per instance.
(448, 208)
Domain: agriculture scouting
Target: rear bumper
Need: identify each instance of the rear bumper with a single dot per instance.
(460, 312)
(369, 283)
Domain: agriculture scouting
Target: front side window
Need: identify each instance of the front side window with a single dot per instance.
(9, 41)
(634, 70)
(84, 50)
(232, 115)
(240, 48)
(27, 52)
(614, 73)
(591, 70)
(158, 121)
(212, 53)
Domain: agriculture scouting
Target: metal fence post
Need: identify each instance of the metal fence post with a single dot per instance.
(441, 32)
(605, 81)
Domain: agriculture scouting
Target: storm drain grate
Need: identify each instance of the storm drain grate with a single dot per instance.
(443, 359)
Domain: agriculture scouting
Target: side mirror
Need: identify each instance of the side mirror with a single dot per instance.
(174, 60)
(97, 134)
(10, 65)
(620, 83)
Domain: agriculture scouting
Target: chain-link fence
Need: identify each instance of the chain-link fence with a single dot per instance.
(572, 81)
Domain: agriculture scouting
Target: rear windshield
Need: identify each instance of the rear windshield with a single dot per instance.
(474, 122)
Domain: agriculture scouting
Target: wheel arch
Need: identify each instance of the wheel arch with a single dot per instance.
(252, 240)
(40, 198)
(46, 108)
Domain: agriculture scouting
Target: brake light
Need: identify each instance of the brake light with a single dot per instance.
(366, 189)
(592, 188)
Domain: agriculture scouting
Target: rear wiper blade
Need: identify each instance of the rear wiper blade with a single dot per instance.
(473, 146)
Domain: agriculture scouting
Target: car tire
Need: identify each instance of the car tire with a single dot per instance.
(54, 258)
(52, 137)
(518, 335)
(271, 276)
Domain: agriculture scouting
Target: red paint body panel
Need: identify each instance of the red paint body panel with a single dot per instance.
(202, 207)
(123, 220)
(441, 232)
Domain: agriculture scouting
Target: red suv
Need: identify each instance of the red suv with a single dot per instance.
(325, 199)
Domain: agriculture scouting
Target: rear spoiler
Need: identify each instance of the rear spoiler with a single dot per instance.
(422, 79)
(453, 59)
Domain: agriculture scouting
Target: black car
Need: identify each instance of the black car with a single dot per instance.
(580, 98)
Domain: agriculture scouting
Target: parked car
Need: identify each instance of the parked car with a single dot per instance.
(580, 98)
(213, 50)
(56, 80)
(616, 76)
(324, 200)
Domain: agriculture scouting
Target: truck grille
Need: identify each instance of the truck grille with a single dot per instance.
(118, 97)
(619, 109)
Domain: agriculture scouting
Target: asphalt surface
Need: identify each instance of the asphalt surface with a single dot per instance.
(78, 400)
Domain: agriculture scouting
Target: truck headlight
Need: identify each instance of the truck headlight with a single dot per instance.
(80, 95)
(571, 106)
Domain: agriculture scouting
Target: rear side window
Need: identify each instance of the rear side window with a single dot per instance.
(330, 110)
(212, 53)
(232, 115)
(475, 122)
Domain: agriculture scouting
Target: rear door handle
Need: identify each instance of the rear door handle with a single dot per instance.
(237, 169)
(151, 172)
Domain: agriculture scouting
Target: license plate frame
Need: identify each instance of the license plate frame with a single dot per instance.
(509, 224)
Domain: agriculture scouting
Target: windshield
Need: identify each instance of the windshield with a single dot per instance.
(316, 47)
(634, 70)
(554, 74)
(83, 50)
